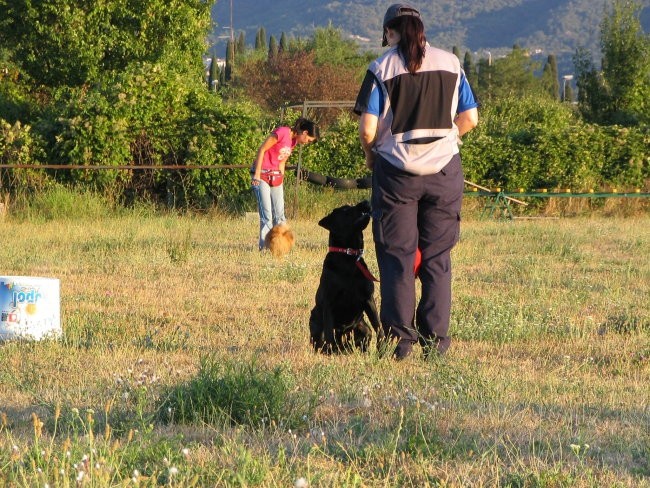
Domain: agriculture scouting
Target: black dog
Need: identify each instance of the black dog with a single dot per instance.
(346, 286)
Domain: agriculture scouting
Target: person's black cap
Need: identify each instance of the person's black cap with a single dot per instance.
(394, 11)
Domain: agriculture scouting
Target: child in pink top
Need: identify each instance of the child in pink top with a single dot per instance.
(268, 171)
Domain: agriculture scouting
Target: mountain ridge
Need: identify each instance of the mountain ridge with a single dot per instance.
(541, 26)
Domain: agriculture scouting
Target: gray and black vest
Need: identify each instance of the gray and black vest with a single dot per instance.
(416, 130)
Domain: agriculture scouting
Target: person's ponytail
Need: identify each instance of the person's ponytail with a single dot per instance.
(412, 41)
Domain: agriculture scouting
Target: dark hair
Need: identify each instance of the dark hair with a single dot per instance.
(412, 40)
(303, 124)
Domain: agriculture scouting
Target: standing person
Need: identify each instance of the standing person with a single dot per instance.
(415, 103)
(268, 171)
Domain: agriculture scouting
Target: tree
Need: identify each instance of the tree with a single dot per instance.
(484, 79)
(619, 93)
(260, 39)
(296, 76)
(469, 68)
(284, 43)
(330, 47)
(511, 75)
(456, 52)
(230, 60)
(550, 77)
(263, 37)
(591, 91)
(213, 79)
(626, 63)
(241, 44)
(273, 48)
(72, 43)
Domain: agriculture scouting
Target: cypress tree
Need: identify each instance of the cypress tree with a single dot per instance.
(284, 43)
(273, 48)
(213, 79)
(470, 70)
(230, 60)
(222, 77)
(258, 40)
(456, 51)
(241, 44)
(555, 87)
(262, 38)
(547, 79)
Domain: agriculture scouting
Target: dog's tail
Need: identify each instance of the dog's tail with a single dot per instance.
(280, 240)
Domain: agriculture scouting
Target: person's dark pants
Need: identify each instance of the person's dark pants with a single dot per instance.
(411, 211)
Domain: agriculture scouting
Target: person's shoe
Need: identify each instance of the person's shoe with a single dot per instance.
(435, 347)
(403, 350)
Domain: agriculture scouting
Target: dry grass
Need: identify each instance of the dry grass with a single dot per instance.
(546, 383)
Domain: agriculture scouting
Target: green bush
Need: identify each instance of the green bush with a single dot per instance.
(219, 133)
(339, 152)
(537, 143)
(19, 144)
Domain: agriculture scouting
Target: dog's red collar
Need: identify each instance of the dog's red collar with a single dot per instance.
(360, 264)
(346, 250)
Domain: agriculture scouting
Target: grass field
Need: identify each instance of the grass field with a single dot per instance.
(185, 361)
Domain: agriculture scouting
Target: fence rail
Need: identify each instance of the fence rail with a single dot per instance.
(123, 167)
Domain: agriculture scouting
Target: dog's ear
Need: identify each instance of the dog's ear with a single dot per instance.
(364, 206)
(330, 220)
(326, 222)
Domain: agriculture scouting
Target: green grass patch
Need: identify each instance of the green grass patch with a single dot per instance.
(239, 393)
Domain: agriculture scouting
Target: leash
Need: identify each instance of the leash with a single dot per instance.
(363, 267)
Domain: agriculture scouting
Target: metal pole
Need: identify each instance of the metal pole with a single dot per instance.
(232, 33)
(299, 165)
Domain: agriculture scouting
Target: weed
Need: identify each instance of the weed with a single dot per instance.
(179, 250)
(240, 393)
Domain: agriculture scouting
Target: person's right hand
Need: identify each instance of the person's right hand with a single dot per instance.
(370, 161)
(255, 182)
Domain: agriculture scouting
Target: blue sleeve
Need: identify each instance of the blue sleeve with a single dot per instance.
(466, 98)
(367, 99)
(376, 101)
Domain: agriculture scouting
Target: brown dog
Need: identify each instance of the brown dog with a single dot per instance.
(280, 240)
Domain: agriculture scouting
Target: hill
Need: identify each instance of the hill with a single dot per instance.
(541, 26)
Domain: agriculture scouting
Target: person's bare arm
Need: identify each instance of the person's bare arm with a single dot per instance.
(266, 145)
(367, 136)
(466, 121)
